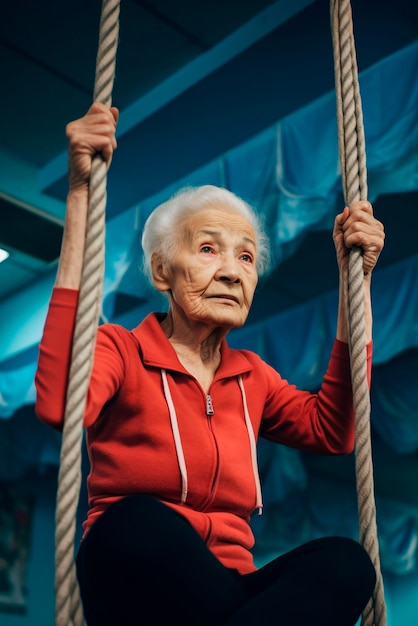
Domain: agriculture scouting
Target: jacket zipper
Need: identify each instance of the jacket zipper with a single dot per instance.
(209, 412)
(209, 405)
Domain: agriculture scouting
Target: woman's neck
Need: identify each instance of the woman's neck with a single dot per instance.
(198, 348)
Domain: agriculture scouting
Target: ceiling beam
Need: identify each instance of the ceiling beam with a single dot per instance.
(278, 74)
(208, 62)
(19, 185)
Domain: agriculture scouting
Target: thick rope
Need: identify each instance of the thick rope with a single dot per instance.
(68, 606)
(354, 179)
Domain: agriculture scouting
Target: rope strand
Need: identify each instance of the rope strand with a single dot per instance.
(354, 179)
(68, 608)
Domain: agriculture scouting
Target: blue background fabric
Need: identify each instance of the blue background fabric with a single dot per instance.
(290, 174)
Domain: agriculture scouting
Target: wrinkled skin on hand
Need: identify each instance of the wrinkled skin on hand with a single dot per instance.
(357, 226)
(92, 134)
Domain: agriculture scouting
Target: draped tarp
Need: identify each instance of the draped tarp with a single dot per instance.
(290, 173)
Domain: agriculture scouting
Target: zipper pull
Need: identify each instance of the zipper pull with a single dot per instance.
(209, 405)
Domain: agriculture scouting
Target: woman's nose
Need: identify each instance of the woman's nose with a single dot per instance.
(228, 271)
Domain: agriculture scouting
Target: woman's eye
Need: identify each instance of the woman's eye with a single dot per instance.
(206, 249)
(247, 258)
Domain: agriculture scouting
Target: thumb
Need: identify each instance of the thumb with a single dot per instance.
(341, 217)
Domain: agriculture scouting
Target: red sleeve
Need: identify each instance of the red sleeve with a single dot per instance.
(55, 358)
(324, 422)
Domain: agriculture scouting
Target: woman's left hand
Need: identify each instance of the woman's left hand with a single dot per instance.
(357, 226)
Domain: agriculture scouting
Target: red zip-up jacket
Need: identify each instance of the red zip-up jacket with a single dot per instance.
(207, 472)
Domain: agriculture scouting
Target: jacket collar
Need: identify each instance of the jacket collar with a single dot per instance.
(157, 351)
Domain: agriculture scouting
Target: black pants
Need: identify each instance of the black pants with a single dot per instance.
(142, 563)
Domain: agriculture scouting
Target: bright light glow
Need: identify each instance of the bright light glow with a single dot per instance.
(3, 255)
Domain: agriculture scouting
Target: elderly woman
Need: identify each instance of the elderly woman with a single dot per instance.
(173, 415)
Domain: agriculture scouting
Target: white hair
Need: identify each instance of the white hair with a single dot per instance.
(161, 236)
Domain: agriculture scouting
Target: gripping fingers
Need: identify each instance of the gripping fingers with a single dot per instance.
(362, 229)
(92, 134)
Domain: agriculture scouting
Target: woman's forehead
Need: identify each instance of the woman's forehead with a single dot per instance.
(216, 219)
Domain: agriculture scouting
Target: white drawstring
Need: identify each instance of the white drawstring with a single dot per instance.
(259, 499)
(177, 438)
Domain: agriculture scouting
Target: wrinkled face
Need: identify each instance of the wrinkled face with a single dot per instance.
(213, 275)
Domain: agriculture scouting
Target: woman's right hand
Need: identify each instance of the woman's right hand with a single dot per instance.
(92, 134)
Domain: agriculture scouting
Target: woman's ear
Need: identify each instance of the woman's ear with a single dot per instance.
(159, 273)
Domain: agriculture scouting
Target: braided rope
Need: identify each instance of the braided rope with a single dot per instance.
(68, 608)
(354, 178)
